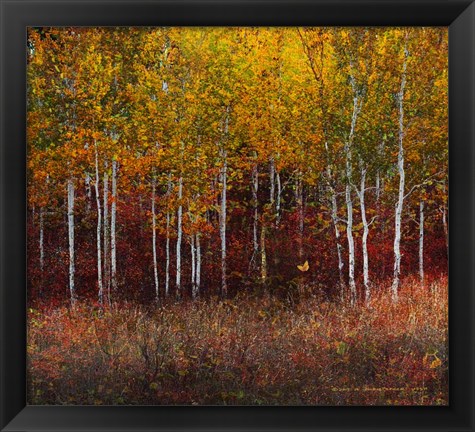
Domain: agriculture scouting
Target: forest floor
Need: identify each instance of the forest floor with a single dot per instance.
(245, 351)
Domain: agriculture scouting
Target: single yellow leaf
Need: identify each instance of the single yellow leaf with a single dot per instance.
(304, 267)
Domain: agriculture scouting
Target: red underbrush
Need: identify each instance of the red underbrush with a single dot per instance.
(245, 351)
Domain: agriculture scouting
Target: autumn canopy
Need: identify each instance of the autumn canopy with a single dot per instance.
(217, 161)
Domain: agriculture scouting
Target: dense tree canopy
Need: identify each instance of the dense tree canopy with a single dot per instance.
(215, 161)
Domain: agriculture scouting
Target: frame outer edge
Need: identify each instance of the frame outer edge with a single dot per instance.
(7, 407)
(462, 209)
(3, 408)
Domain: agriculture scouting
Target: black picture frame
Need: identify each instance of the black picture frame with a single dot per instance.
(17, 15)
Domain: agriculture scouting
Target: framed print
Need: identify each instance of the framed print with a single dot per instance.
(204, 263)
(237, 215)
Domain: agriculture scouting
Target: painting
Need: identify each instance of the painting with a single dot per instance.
(237, 216)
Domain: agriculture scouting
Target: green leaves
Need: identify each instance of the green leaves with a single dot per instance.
(341, 348)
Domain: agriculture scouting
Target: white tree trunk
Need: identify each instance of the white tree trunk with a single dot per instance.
(421, 241)
(263, 254)
(349, 199)
(351, 245)
(72, 290)
(105, 236)
(98, 231)
(154, 243)
(339, 247)
(272, 181)
(222, 224)
(299, 202)
(87, 181)
(193, 265)
(179, 237)
(446, 228)
(278, 199)
(400, 202)
(167, 259)
(255, 188)
(167, 244)
(113, 226)
(198, 266)
(334, 216)
(364, 240)
(42, 248)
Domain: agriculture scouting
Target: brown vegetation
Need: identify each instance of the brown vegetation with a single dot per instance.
(303, 350)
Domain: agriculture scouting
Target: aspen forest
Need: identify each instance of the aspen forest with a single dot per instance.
(237, 216)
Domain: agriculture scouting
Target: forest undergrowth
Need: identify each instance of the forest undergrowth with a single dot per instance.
(300, 350)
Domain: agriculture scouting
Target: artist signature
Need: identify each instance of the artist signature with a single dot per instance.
(376, 389)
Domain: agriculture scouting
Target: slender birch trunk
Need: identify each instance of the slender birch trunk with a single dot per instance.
(222, 213)
(400, 202)
(349, 199)
(271, 181)
(222, 224)
(113, 226)
(263, 254)
(364, 240)
(446, 228)
(198, 266)
(40, 246)
(179, 237)
(299, 201)
(87, 182)
(213, 214)
(255, 188)
(41, 241)
(72, 290)
(351, 245)
(167, 244)
(339, 247)
(98, 231)
(105, 235)
(334, 216)
(167, 259)
(421, 242)
(193, 265)
(154, 243)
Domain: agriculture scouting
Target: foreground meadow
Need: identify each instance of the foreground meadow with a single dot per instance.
(300, 350)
